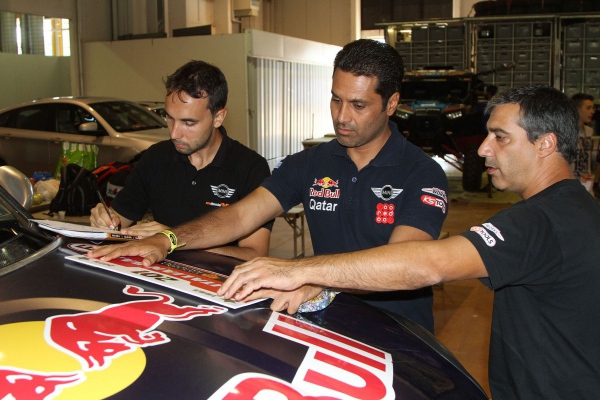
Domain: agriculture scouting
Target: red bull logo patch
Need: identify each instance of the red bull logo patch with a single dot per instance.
(326, 183)
(385, 213)
(89, 354)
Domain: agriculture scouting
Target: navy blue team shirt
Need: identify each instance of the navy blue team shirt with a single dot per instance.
(349, 210)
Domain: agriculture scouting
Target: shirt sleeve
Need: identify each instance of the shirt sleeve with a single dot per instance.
(425, 201)
(286, 181)
(518, 246)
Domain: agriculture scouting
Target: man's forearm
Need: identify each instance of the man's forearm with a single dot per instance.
(230, 223)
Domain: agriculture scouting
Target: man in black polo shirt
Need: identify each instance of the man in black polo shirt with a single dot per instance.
(368, 188)
(200, 169)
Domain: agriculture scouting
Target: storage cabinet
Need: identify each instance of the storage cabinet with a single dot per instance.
(581, 49)
(561, 51)
(438, 45)
(527, 44)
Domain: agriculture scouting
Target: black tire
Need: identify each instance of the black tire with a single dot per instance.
(473, 167)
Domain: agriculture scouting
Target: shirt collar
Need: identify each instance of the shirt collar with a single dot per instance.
(389, 154)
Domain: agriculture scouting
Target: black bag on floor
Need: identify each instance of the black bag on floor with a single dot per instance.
(77, 193)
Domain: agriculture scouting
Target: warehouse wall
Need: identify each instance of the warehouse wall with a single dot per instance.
(135, 69)
(31, 76)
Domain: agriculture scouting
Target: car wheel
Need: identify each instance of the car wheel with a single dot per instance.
(473, 167)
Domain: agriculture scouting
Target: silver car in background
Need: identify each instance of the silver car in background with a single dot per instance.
(31, 134)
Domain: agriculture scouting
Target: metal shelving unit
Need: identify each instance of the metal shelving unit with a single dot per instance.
(581, 55)
(561, 51)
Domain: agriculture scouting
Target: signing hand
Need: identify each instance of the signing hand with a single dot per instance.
(99, 218)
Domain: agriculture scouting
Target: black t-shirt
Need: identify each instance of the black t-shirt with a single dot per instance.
(543, 260)
(165, 182)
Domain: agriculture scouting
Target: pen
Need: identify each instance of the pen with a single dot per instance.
(106, 207)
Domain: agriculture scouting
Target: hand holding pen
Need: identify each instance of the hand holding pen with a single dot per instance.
(102, 217)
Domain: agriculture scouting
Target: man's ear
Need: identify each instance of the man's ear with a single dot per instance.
(547, 144)
(219, 117)
(392, 104)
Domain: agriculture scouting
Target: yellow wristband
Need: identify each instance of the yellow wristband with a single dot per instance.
(172, 240)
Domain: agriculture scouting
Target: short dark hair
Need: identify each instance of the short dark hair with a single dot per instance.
(579, 98)
(543, 110)
(200, 79)
(365, 57)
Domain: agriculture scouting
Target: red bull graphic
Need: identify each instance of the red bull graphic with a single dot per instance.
(385, 213)
(335, 367)
(434, 202)
(17, 383)
(326, 183)
(326, 190)
(96, 338)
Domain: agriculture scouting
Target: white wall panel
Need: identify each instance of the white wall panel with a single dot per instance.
(290, 103)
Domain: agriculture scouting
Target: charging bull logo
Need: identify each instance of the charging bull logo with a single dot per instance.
(95, 338)
(16, 383)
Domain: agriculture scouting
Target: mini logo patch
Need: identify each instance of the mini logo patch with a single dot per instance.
(385, 213)
(485, 235)
(387, 192)
(223, 191)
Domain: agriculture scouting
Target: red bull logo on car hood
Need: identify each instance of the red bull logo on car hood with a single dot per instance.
(96, 354)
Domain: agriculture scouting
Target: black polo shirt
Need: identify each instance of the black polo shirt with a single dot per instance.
(165, 182)
(348, 210)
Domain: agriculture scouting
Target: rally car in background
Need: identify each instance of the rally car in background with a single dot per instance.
(439, 112)
(69, 330)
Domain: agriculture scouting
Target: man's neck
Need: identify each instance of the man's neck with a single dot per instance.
(206, 155)
(362, 155)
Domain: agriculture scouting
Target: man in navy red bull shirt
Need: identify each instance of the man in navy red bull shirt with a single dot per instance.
(368, 188)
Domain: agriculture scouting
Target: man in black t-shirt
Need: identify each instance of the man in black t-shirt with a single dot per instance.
(540, 256)
(200, 169)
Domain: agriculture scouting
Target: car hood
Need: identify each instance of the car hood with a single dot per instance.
(58, 330)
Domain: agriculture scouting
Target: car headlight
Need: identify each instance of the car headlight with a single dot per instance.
(403, 114)
(454, 114)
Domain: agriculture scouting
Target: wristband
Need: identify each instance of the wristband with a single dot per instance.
(172, 240)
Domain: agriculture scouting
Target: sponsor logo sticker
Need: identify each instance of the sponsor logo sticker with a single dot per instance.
(436, 192)
(223, 191)
(485, 235)
(385, 213)
(326, 183)
(434, 202)
(494, 230)
(386, 192)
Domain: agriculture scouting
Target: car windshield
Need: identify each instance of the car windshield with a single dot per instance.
(439, 89)
(126, 116)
